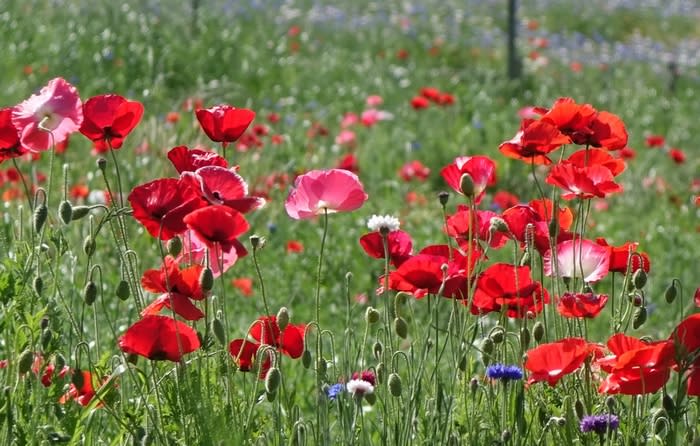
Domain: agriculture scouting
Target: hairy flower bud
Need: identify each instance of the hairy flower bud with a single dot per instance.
(282, 318)
(46, 338)
(639, 278)
(41, 212)
(78, 212)
(497, 334)
(377, 350)
(89, 246)
(371, 315)
(640, 316)
(401, 327)
(395, 385)
(671, 292)
(206, 280)
(38, 285)
(306, 359)
(65, 211)
(217, 327)
(524, 338)
(90, 293)
(538, 331)
(122, 290)
(25, 361)
(174, 246)
(272, 380)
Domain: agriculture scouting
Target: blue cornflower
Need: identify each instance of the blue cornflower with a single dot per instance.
(504, 372)
(334, 390)
(599, 424)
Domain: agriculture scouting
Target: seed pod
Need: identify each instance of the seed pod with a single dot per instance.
(38, 285)
(89, 246)
(174, 246)
(395, 385)
(538, 331)
(65, 212)
(640, 316)
(401, 327)
(77, 379)
(306, 359)
(497, 334)
(466, 185)
(122, 290)
(282, 318)
(639, 278)
(371, 315)
(46, 337)
(671, 292)
(206, 280)
(218, 329)
(272, 380)
(78, 212)
(90, 293)
(487, 346)
(580, 410)
(25, 361)
(524, 338)
(377, 350)
(41, 212)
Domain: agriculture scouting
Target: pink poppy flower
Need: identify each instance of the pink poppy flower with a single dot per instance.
(374, 100)
(320, 191)
(481, 169)
(57, 109)
(220, 260)
(575, 255)
(220, 185)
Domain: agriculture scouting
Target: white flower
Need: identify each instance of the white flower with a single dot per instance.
(376, 222)
(359, 387)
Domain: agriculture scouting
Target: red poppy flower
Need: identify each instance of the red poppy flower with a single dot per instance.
(414, 170)
(504, 199)
(677, 155)
(457, 226)
(189, 160)
(544, 209)
(655, 141)
(178, 303)
(223, 123)
(399, 243)
(217, 225)
(158, 338)
(430, 93)
(294, 247)
(619, 256)
(349, 163)
(161, 205)
(534, 141)
(244, 285)
(583, 182)
(84, 394)
(508, 288)
(221, 186)
(581, 305)
(590, 157)
(185, 281)
(551, 362)
(10, 146)
(419, 103)
(481, 169)
(108, 119)
(686, 337)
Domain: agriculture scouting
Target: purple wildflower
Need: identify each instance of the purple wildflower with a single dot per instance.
(599, 424)
(504, 372)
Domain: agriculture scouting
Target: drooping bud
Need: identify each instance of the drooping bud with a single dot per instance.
(487, 346)
(671, 292)
(497, 334)
(639, 278)
(272, 380)
(321, 366)
(306, 359)
(381, 372)
(90, 293)
(640, 316)
(668, 403)
(580, 410)
(282, 318)
(217, 327)
(524, 338)
(44, 324)
(89, 246)
(498, 224)
(25, 361)
(206, 280)
(538, 331)
(174, 246)
(395, 385)
(466, 185)
(78, 212)
(122, 290)
(59, 361)
(270, 396)
(38, 285)
(401, 327)
(371, 315)
(473, 385)
(65, 212)
(41, 212)
(610, 403)
(462, 364)
(371, 398)
(377, 350)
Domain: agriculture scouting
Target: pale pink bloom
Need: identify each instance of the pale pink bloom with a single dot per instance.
(349, 119)
(372, 116)
(319, 191)
(57, 109)
(530, 112)
(345, 138)
(573, 256)
(374, 100)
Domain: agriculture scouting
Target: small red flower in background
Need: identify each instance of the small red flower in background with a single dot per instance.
(294, 247)
(349, 163)
(244, 285)
(551, 362)
(172, 117)
(627, 153)
(159, 338)
(677, 155)
(419, 102)
(108, 119)
(534, 141)
(619, 256)
(319, 191)
(414, 170)
(224, 123)
(581, 305)
(217, 225)
(79, 192)
(346, 138)
(481, 169)
(504, 199)
(508, 288)
(185, 159)
(273, 118)
(655, 141)
(170, 278)
(430, 93)
(582, 182)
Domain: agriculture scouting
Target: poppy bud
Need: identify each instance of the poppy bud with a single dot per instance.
(89, 246)
(443, 197)
(610, 403)
(90, 293)
(206, 280)
(101, 163)
(272, 380)
(44, 324)
(78, 212)
(381, 372)
(218, 329)
(371, 315)
(38, 285)
(401, 327)
(543, 416)
(524, 338)
(668, 403)
(25, 361)
(487, 346)
(636, 300)
(306, 359)
(497, 334)
(257, 242)
(59, 361)
(377, 349)
(46, 337)
(41, 212)
(77, 378)
(538, 331)
(466, 185)
(639, 278)
(395, 385)
(270, 396)
(65, 211)
(282, 318)
(174, 246)
(473, 385)
(498, 224)
(371, 398)
(671, 292)
(640, 316)
(580, 410)
(122, 290)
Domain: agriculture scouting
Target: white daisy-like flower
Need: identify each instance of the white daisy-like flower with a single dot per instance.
(376, 222)
(359, 387)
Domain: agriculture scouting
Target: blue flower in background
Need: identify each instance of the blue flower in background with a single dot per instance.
(600, 424)
(334, 390)
(504, 372)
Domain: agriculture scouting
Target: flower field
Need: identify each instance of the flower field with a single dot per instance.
(314, 222)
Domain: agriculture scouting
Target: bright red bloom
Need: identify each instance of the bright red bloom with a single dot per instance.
(619, 256)
(419, 103)
(677, 155)
(161, 205)
(583, 182)
(430, 93)
(655, 141)
(244, 285)
(170, 278)
(457, 226)
(9, 137)
(414, 170)
(189, 160)
(509, 288)
(178, 303)
(294, 247)
(686, 337)
(534, 141)
(481, 169)
(551, 362)
(320, 191)
(222, 186)
(581, 305)
(82, 396)
(349, 163)
(399, 243)
(217, 225)
(519, 217)
(108, 119)
(159, 338)
(504, 199)
(223, 123)
(544, 209)
(589, 157)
